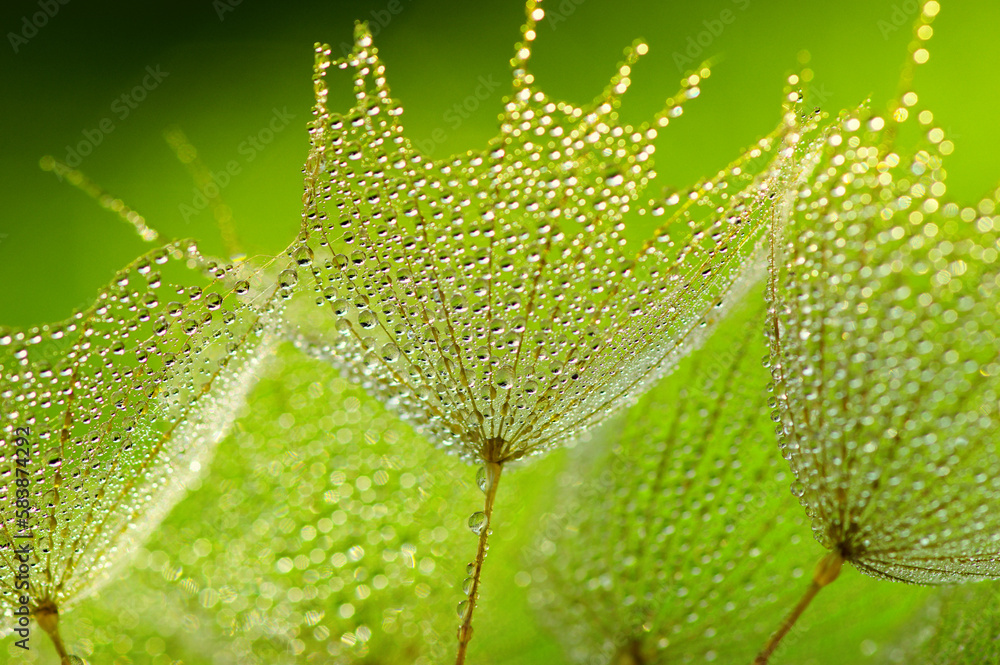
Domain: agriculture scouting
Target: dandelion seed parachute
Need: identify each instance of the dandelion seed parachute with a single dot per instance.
(884, 299)
(672, 547)
(486, 298)
(123, 404)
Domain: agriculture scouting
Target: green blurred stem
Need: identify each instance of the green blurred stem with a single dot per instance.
(826, 571)
(631, 654)
(493, 470)
(47, 616)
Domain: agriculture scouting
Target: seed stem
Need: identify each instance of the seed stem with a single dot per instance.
(493, 470)
(630, 653)
(826, 571)
(47, 616)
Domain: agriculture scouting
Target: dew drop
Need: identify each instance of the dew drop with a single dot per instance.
(390, 352)
(288, 278)
(504, 377)
(303, 256)
(477, 522)
(341, 307)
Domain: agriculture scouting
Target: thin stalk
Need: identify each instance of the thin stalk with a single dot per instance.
(826, 571)
(493, 470)
(631, 653)
(47, 616)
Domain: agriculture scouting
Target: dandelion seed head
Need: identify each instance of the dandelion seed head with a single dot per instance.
(116, 411)
(884, 310)
(487, 297)
(676, 544)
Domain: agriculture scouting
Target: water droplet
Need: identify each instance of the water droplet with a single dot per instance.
(303, 256)
(390, 352)
(477, 522)
(288, 278)
(341, 307)
(504, 377)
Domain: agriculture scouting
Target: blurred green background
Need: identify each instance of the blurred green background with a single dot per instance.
(229, 66)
